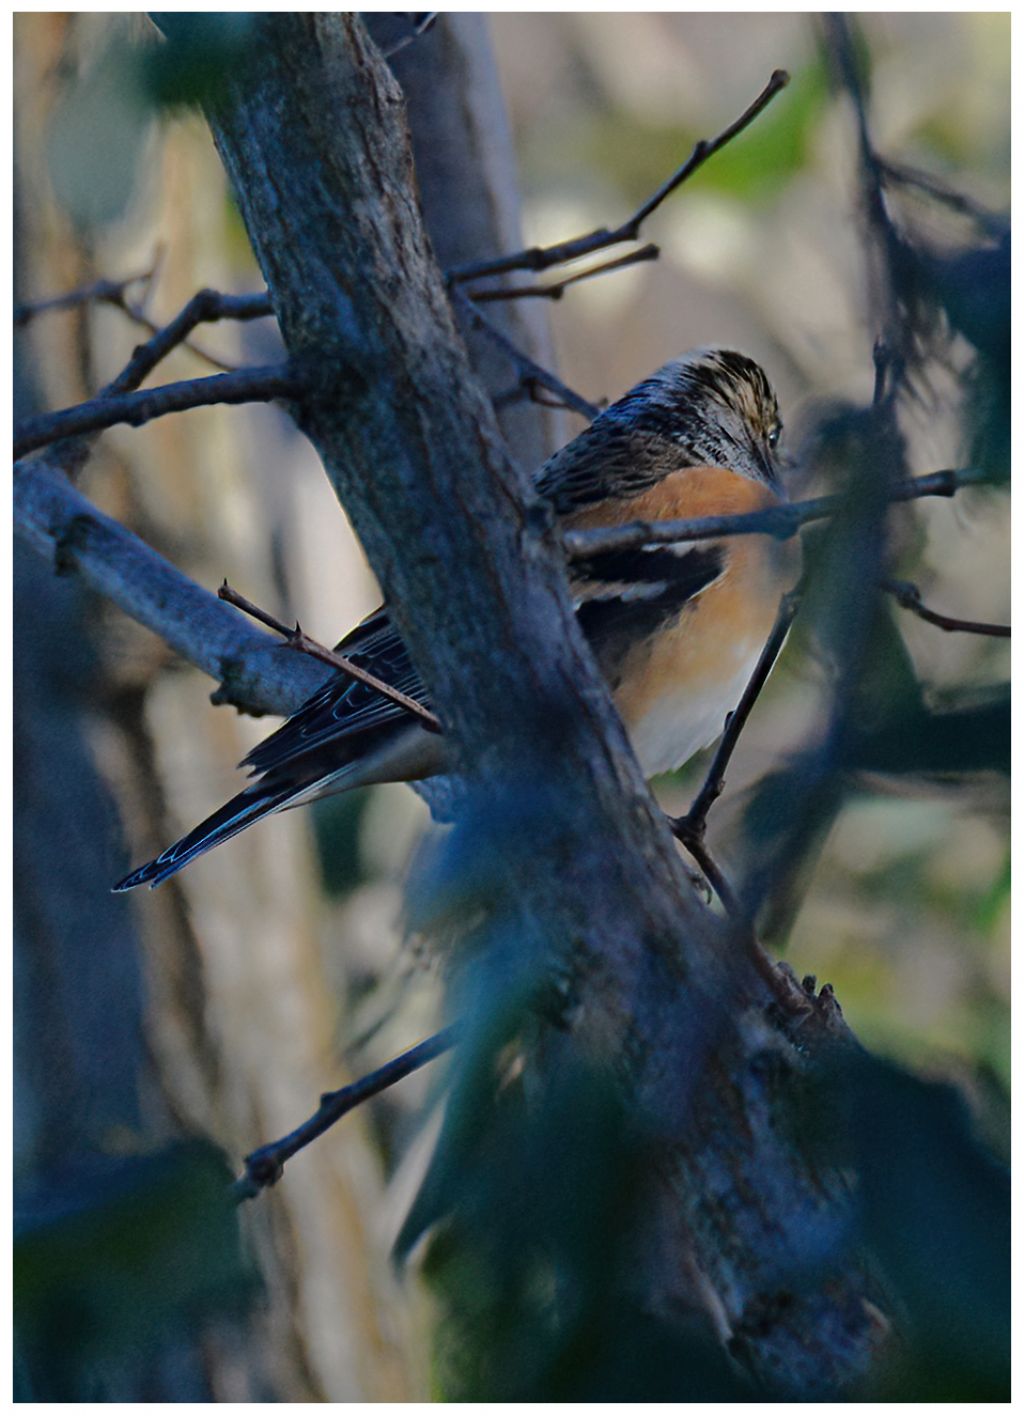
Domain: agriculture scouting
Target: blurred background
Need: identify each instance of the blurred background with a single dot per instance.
(221, 1005)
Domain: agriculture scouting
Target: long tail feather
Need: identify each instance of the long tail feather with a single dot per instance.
(241, 811)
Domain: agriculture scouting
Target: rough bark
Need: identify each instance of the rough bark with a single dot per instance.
(314, 139)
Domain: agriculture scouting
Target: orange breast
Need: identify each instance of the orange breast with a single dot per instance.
(675, 689)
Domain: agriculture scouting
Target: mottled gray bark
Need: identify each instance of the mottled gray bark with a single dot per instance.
(314, 139)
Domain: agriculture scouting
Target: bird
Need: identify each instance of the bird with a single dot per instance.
(676, 629)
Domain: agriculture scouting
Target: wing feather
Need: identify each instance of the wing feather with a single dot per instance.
(343, 707)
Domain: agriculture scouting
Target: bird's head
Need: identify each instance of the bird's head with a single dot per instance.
(717, 406)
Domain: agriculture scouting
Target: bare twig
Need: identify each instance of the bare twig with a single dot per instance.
(557, 288)
(110, 292)
(531, 375)
(697, 847)
(690, 828)
(204, 307)
(297, 639)
(265, 1166)
(896, 172)
(256, 385)
(538, 258)
(420, 27)
(909, 597)
(240, 307)
(781, 522)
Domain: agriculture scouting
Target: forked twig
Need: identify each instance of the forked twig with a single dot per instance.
(557, 288)
(538, 258)
(296, 638)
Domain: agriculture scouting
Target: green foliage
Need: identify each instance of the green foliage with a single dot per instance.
(118, 1258)
(934, 1217)
(538, 1196)
(201, 53)
(97, 136)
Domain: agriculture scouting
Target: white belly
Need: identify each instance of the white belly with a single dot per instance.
(682, 722)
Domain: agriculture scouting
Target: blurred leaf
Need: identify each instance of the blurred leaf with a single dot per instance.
(201, 53)
(96, 137)
(974, 287)
(532, 1263)
(974, 738)
(934, 1208)
(118, 1258)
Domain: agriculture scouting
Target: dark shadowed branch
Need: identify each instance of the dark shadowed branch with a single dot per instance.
(778, 521)
(256, 385)
(532, 376)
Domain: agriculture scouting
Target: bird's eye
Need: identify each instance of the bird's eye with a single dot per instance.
(774, 435)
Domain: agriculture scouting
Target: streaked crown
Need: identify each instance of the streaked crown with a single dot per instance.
(716, 405)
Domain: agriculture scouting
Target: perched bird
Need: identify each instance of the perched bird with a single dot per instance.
(676, 630)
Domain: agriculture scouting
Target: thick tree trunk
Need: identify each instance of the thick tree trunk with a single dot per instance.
(578, 856)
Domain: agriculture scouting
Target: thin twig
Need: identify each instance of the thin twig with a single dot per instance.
(297, 639)
(255, 385)
(782, 522)
(204, 307)
(934, 187)
(909, 597)
(538, 258)
(691, 827)
(556, 289)
(713, 873)
(265, 1166)
(714, 783)
(239, 307)
(421, 27)
(111, 292)
(530, 374)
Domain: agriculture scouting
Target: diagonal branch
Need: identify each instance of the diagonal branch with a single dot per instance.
(531, 374)
(265, 1166)
(256, 385)
(255, 673)
(537, 258)
(297, 639)
(690, 828)
(205, 307)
